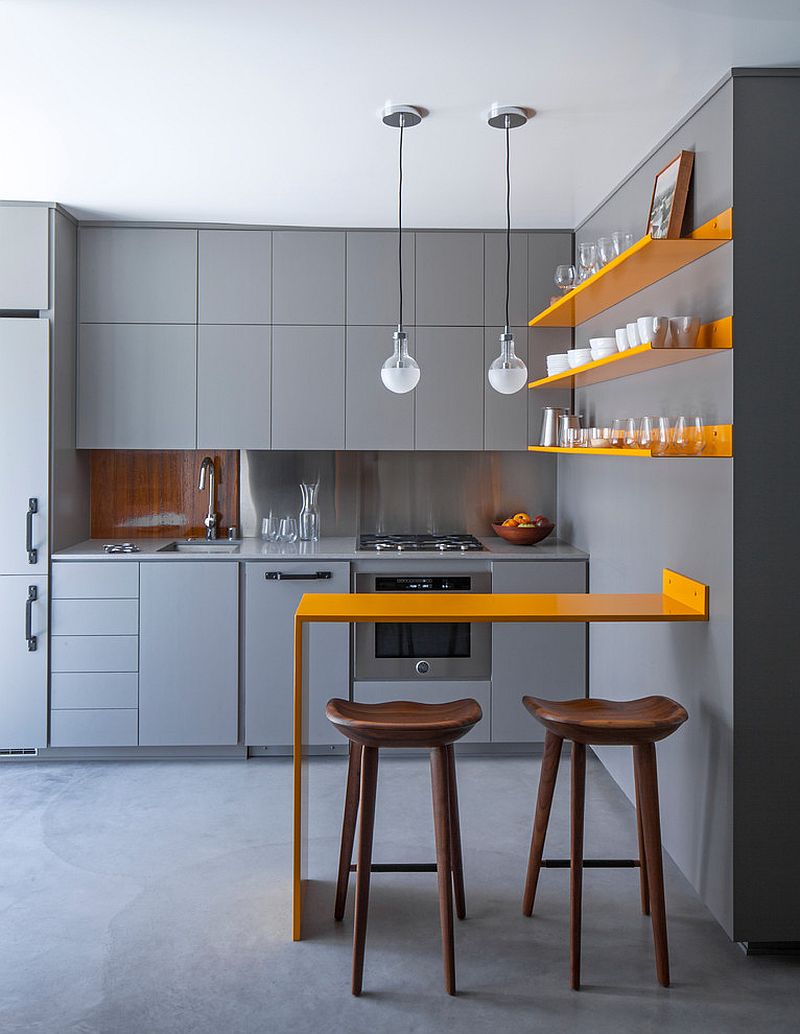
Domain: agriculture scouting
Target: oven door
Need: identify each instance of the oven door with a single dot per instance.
(435, 650)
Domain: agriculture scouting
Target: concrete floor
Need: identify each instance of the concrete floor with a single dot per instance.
(141, 898)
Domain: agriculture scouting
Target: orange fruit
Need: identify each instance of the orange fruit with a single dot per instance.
(512, 522)
(522, 518)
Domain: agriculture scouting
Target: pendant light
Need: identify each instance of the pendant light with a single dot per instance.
(400, 373)
(507, 373)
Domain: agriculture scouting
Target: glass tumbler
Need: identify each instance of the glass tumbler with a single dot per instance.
(587, 260)
(648, 432)
(621, 241)
(605, 250)
(689, 438)
(288, 529)
(270, 528)
(662, 440)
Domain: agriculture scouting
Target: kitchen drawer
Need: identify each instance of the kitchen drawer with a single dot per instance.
(431, 692)
(95, 727)
(94, 653)
(95, 689)
(100, 579)
(95, 617)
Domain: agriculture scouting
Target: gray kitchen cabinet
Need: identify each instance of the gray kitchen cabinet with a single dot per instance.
(375, 418)
(449, 402)
(495, 279)
(308, 276)
(93, 727)
(234, 276)
(505, 416)
(449, 279)
(308, 387)
(136, 386)
(24, 257)
(136, 274)
(270, 603)
(547, 659)
(23, 671)
(372, 278)
(96, 579)
(24, 423)
(233, 387)
(188, 653)
(546, 250)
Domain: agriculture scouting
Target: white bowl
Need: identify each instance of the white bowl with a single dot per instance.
(602, 353)
(603, 342)
(579, 356)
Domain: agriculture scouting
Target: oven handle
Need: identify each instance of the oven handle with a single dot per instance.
(281, 576)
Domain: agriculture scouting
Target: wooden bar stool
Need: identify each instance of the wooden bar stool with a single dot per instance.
(402, 723)
(635, 723)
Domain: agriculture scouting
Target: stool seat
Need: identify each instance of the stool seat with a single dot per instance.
(609, 722)
(404, 723)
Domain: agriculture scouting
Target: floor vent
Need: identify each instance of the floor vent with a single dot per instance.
(18, 752)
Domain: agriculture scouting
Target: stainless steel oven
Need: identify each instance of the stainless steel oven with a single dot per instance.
(436, 650)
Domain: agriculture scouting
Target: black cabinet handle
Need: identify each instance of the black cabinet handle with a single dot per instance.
(33, 508)
(33, 596)
(281, 576)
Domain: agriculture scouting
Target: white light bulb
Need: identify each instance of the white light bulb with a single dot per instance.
(400, 373)
(507, 373)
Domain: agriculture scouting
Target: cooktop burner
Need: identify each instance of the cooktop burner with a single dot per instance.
(428, 543)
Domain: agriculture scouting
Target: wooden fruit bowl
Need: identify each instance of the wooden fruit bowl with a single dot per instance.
(523, 536)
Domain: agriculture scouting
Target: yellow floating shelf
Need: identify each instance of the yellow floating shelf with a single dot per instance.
(713, 338)
(643, 264)
(719, 444)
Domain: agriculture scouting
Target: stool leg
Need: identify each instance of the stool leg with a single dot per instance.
(369, 779)
(576, 862)
(547, 784)
(651, 823)
(441, 826)
(348, 829)
(644, 889)
(456, 860)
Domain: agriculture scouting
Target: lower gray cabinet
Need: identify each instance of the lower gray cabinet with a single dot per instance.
(450, 391)
(23, 671)
(270, 603)
(233, 387)
(376, 418)
(308, 387)
(547, 659)
(188, 653)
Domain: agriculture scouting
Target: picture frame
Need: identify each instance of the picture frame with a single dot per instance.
(668, 200)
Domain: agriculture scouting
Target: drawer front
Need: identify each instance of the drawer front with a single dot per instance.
(94, 727)
(94, 653)
(95, 617)
(95, 689)
(95, 579)
(431, 693)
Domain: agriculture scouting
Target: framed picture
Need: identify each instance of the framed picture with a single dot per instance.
(668, 203)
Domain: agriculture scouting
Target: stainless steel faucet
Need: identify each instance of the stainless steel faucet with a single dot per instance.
(210, 521)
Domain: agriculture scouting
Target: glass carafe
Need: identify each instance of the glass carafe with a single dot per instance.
(309, 513)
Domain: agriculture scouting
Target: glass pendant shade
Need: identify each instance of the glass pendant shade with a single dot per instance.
(400, 372)
(508, 373)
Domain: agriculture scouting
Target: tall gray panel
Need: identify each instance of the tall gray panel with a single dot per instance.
(495, 279)
(233, 387)
(133, 274)
(375, 418)
(308, 387)
(449, 274)
(450, 391)
(189, 653)
(136, 387)
(234, 276)
(546, 250)
(308, 276)
(505, 416)
(23, 673)
(372, 277)
(24, 257)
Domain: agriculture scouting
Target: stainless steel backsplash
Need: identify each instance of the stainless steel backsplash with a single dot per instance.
(397, 491)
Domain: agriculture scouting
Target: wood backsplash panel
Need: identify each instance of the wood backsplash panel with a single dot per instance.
(143, 493)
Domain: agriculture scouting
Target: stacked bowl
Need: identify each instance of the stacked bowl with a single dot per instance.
(558, 363)
(601, 347)
(579, 357)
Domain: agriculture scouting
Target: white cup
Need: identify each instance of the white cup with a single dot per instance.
(645, 326)
(633, 335)
(621, 334)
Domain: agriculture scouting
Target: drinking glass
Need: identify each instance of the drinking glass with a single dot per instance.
(587, 260)
(288, 529)
(619, 430)
(631, 439)
(621, 241)
(689, 439)
(648, 432)
(605, 251)
(270, 528)
(564, 278)
(662, 440)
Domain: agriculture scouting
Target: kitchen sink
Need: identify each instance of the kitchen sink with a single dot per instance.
(201, 546)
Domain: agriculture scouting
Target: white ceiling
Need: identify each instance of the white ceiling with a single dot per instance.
(259, 112)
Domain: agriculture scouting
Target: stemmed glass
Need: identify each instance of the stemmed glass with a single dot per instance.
(587, 260)
(564, 278)
(689, 437)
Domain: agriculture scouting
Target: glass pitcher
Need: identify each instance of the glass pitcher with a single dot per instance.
(309, 513)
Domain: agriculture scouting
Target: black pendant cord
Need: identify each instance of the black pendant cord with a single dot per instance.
(400, 224)
(508, 213)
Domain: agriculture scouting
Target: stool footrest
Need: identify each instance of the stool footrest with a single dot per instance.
(593, 863)
(399, 867)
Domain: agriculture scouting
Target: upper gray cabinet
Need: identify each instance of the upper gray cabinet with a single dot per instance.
(233, 387)
(495, 280)
(24, 257)
(449, 403)
(546, 250)
(234, 276)
(375, 417)
(308, 387)
(308, 276)
(449, 278)
(505, 416)
(137, 275)
(372, 278)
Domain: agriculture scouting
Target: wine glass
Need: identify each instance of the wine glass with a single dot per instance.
(689, 437)
(587, 260)
(605, 250)
(288, 529)
(564, 278)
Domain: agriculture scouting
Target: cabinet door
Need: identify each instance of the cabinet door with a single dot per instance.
(134, 274)
(449, 276)
(23, 682)
(308, 387)
(505, 416)
(375, 418)
(136, 386)
(269, 658)
(24, 258)
(308, 276)
(372, 267)
(449, 402)
(546, 250)
(189, 653)
(495, 279)
(547, 660)
(234, 276)
(233, 387)
(24, 424)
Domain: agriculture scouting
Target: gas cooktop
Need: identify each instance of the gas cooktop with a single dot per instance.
(428, 543)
